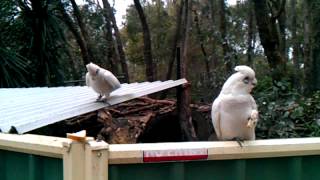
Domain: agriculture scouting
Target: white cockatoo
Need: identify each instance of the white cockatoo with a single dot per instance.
(101, 81)
(234, 112)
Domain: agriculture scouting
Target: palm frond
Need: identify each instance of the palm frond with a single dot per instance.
(14, 69)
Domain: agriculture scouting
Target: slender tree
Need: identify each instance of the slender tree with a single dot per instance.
(38, 45)
(74, 30)
(270, 38)
(176, 39)
(179, 10)
(119, 46)
(212, 9)
(201, 39)
(224, 41)
(282, 28)
(47, 38)
(295, 43)
(312, 48)
(147, 50)
(278, 11)
(250, 22)
(84, 31)
(183, 97)
(113, 57)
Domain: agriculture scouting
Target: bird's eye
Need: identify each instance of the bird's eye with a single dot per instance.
(246, 80)
(97, 71)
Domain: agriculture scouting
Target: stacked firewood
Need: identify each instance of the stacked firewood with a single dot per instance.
(140, 120)
(125, 122)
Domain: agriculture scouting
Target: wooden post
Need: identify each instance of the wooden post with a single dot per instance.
(178, 64)
(96, 158)
(86, 160)
(183, 101)
(74, 161)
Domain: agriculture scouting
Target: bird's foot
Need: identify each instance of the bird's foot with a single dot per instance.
(104, 100)
(254, 114)
(240, 141)
(252, 123)
(253, 119)
(99, 98)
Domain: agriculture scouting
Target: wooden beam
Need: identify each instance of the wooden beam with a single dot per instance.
(82, 160)
(133, 153)
(266, 148)
(33, 144)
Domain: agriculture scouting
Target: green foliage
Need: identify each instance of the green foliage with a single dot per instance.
(161, 27)
(13, 69)
(284, 112)
(35, 37)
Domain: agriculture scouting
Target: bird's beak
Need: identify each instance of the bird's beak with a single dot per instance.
(254, 82)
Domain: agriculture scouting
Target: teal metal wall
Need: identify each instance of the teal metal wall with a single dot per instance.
(21, 166)
(284, 168)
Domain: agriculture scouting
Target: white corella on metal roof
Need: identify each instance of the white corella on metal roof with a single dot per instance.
(26, 109)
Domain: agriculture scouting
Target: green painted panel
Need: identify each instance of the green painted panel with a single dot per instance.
(284, 168)
(21, 166)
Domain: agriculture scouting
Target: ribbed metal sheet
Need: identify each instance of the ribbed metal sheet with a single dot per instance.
(22, 166)
(26, 109)
(284, 168)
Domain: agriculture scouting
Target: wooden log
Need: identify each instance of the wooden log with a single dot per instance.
(140, 120)
(124, 123)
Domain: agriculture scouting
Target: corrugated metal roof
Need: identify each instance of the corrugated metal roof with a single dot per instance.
(26, 109)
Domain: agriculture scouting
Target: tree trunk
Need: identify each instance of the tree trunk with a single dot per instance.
(295, 44)
(269, 39)
(83, 30)
(147, 43)
(316, 46)
(282, 27)
(113, 57)
(312, 49)
(72, 27)
(176, 38)
(281, 16)
(307, 48)
(224, 41)
(38, 46)
(183, 93)
(119, 45)
(200, 36)
(250, 33)
(215, 58)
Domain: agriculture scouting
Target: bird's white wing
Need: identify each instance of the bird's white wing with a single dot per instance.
(254, 113)
(88, 79)
(111, 80)
(215, 115)
(253, 103)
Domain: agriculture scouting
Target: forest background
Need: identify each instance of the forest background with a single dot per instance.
(48, 43)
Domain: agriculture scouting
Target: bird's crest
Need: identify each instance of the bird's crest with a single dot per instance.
(245, 70)
(92, 68)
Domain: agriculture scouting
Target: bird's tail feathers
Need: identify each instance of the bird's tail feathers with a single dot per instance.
(112, 80)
